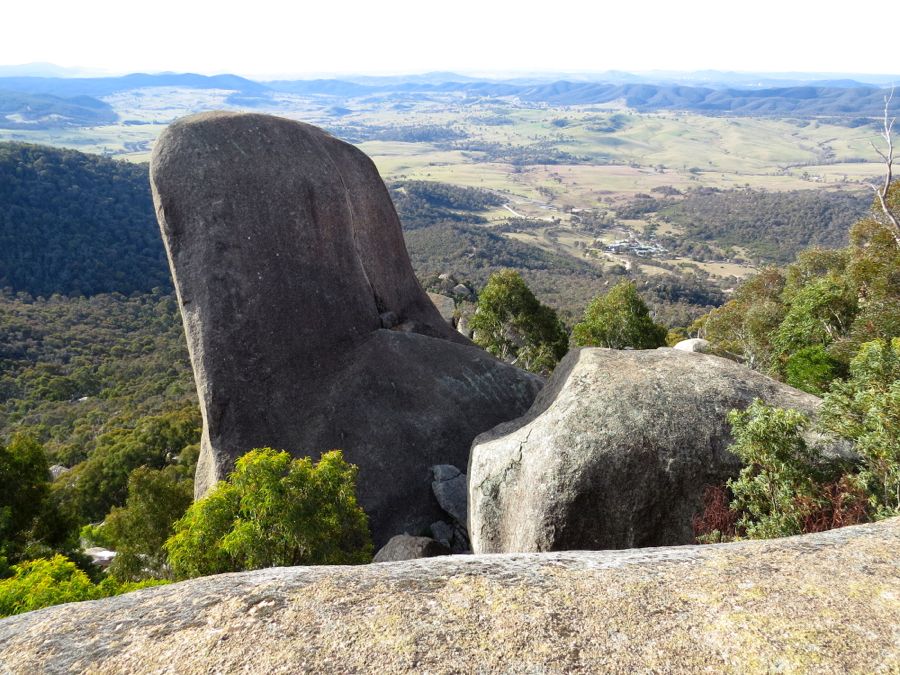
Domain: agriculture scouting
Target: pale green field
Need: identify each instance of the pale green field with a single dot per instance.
(647, 151)
(650, 150)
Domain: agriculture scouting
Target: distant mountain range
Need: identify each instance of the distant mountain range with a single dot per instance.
(67, 101)
(20, 110)
(103, 86)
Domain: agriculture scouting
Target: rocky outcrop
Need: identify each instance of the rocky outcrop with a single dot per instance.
(445, 306)
(452, 535)
(450, 489)
(449, 486)
(288, 262)
(407, 547)
(823, 603)
(58, 470)
(694, 345)
(615, 452)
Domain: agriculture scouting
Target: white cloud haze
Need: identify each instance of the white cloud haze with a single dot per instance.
(268, 38)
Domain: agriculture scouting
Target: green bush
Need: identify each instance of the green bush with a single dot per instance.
(514, 326)
(812, 369)
(780, 478)
(24, 486)
(52, 581)
(43, 582)
(786, 487)
(866, 410)
(94, 486)
(139, 530)
(271, 511)
(618, 320)
(33, 522)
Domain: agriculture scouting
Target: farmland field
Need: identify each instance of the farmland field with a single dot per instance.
(564, 169)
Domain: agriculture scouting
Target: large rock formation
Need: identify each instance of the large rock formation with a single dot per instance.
(288, 258)
(823, 603)
(615, 452)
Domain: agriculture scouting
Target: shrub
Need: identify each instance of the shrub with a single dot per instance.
(717, 522)
(618, 320)
(51, 581)
(774, 489)
(273, 511)
(812, 369)
(786, 487)
(866, 410)
(33, 522)
(24, 486)
(43, 582)
(514, 326)
(139, 530)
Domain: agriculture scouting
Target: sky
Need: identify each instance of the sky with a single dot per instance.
(261, 38)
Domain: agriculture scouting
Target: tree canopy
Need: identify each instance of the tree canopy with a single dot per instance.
(617, 320)
(514, 326)
(74, 224)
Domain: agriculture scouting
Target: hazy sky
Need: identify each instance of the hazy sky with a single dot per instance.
(264, 38)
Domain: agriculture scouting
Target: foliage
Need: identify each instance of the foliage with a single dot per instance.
(812, 369)
(744, 325)
(780, 482)
(157, 498)
(514, 326)
(43, 582)
(474, 253)
(818, 314)
(617, 320)
(75, 224)
(422, 133)
(104, 384)
(772, 226)
(717, 522)
(873, 269)
(805, 324)
(271, 511)
(74, 369)
(24, 486)
(421, 203)
(101, 481)
(786, 487)
(33, 522)
(866, 410)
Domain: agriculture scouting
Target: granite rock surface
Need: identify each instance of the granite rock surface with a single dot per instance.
(289, 261)
(616, 452)
(823, 603)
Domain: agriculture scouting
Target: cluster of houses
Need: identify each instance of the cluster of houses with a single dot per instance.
(636, 247)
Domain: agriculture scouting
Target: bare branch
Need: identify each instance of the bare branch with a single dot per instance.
(881, 154)
(881, 192)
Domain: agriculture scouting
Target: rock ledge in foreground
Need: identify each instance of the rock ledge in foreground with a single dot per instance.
(826, 603)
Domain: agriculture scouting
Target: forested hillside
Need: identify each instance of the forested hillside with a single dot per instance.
(75, 224)
(771, 226)
(420, 203)
(73, 369)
